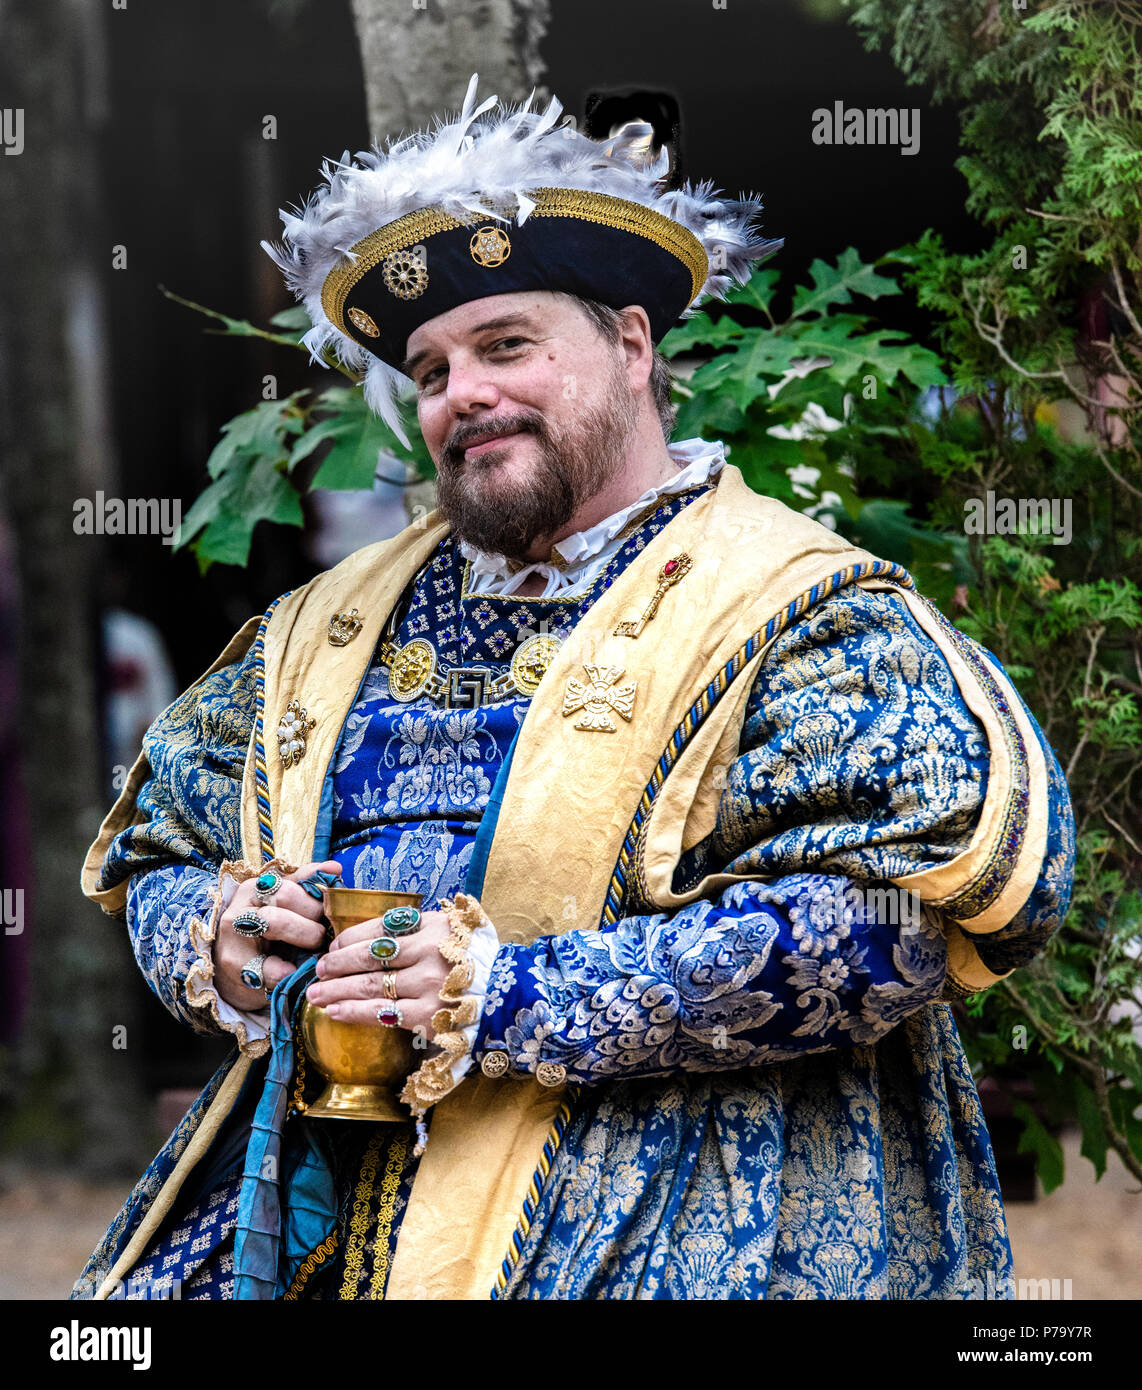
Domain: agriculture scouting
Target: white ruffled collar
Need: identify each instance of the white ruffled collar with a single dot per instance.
(700, 460)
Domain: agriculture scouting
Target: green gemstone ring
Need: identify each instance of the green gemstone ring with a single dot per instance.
(401, 921)
(384, 948)
(265, 886)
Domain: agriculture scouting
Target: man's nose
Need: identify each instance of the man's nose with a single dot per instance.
(469, 388)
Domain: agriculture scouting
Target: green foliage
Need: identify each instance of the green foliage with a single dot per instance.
(271, 455)
(1051, 121)
(1021, 596)
(809, 403)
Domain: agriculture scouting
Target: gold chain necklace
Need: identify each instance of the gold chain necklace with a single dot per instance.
(415, 668)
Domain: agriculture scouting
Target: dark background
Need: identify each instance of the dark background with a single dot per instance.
(194, 188)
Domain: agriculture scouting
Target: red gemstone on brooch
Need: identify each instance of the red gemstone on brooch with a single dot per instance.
(669, 567)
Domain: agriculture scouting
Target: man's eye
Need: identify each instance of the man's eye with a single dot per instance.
(508, 343)
(430, 378)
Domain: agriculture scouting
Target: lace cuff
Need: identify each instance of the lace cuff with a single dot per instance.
(251, 1029)
(469, 949)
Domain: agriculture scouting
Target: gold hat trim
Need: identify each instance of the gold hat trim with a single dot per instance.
(601, 208)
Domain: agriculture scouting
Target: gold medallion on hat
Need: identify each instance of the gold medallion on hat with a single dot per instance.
(405, 273)
(490, 247)
(362, 321)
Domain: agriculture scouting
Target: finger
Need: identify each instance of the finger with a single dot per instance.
(309, 871)
(358, 958)
(275, 971)
(370, 984)
(294, 898)
(330, 866)
(416, 1016)
(354, 961)
(433, 928)
(289, 928)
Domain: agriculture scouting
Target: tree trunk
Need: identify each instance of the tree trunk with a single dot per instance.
(77, 1088)
(418, 55)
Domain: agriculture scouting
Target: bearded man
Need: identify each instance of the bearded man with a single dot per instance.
(711, 814)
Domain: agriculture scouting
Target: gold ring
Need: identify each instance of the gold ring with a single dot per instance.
(389, 985)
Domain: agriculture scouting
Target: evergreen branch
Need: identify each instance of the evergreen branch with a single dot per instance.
(1093, 637)
(1123, 302)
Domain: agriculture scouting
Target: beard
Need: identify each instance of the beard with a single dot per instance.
(502, 514)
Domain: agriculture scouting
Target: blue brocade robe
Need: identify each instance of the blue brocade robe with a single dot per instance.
(769, 1095)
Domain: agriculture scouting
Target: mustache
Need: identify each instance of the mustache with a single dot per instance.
(453, 452)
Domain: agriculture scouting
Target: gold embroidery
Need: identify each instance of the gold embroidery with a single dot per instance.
(359, 1225)
(390, 1186)
(297, 1100)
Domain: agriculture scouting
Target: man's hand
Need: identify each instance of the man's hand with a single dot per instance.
(350, 982)
(295, 919)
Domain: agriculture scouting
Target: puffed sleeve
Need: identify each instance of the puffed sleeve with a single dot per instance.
(169, 856)
(860, 766)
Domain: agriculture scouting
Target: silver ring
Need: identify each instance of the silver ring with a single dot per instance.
(253, 973)
(265, 886)
(251, 924)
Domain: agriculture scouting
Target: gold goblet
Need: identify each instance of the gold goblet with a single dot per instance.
(364, 1065)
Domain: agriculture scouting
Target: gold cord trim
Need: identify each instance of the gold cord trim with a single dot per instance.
(601, 208)
(297, 1102)
(309, 1264)
(432, 1080)
(609, 211)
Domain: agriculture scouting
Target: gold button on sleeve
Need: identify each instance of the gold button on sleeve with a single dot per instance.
(494, 1064)
(551, 1074)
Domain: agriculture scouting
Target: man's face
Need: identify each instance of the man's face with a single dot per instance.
(527, 412)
